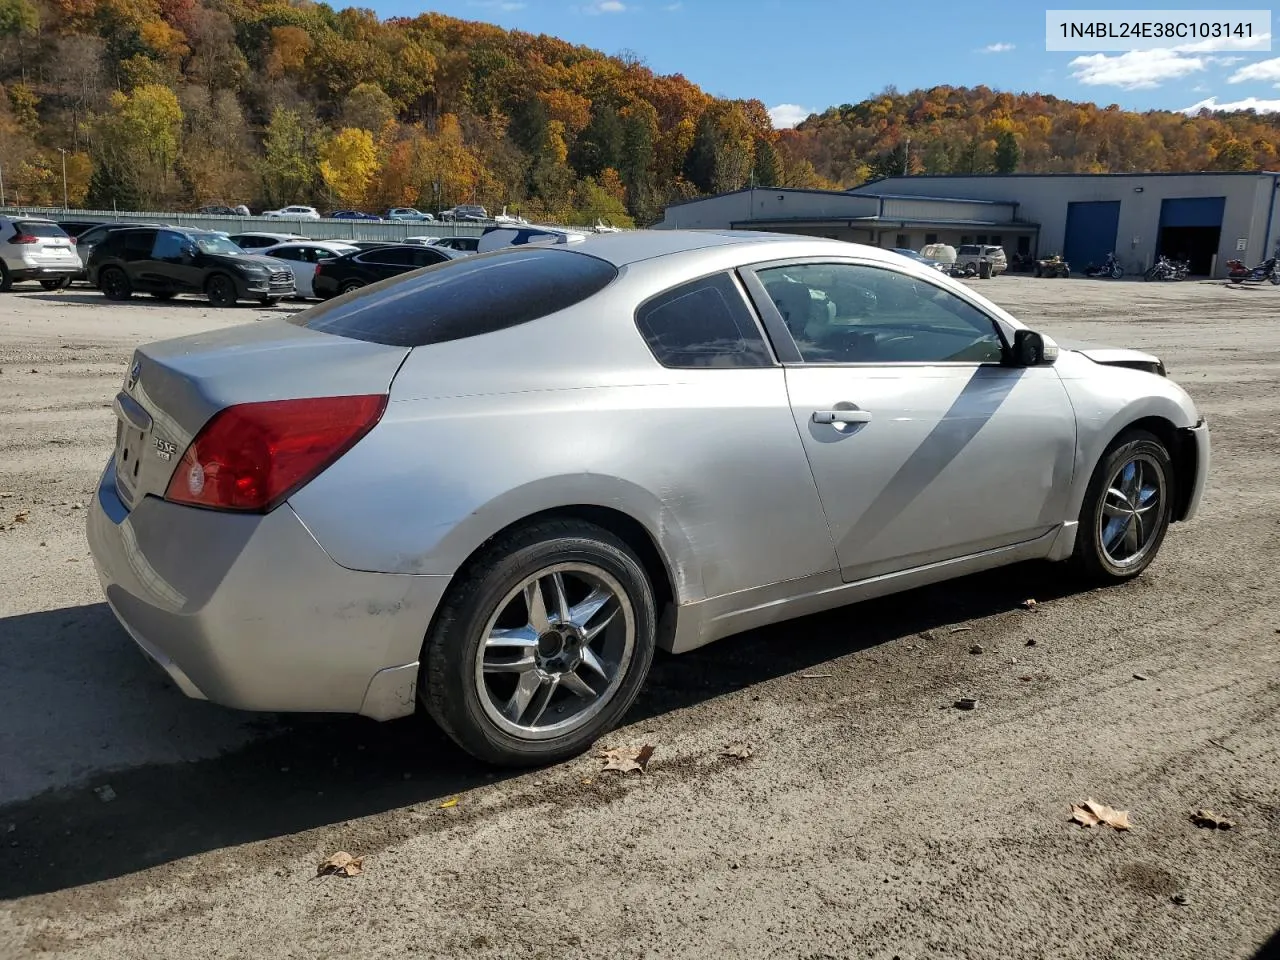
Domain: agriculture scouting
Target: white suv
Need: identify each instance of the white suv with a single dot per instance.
(971, 253)
(33, 248)
(293, 213)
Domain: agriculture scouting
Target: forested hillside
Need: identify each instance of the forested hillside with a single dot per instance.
(158, 104)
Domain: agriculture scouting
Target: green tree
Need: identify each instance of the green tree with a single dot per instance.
(18, 17)
(1008, 154)
(367, 107)
(768, 166)
(288, 167)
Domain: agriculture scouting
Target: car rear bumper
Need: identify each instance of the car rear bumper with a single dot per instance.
(248, 611)
(44, 272)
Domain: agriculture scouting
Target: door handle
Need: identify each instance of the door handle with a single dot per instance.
(842, 416)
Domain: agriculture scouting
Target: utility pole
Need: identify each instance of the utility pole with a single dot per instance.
(65, 205)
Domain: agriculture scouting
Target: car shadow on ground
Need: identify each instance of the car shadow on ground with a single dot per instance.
(304, 772)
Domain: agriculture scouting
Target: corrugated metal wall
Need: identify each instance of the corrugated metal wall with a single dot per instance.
(940, 210)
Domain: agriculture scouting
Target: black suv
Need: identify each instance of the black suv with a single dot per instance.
(169, 260)
(347, 273)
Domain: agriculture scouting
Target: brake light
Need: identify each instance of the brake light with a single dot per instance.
(251, 456)
(319, 269)
(73, 240)
(23, 238)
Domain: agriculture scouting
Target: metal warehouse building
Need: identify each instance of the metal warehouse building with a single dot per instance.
(1207, 218)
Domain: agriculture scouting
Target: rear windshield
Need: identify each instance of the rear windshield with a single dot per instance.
(463, 297)
(39, 228)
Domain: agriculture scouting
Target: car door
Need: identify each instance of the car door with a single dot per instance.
(175, 263)
(138, 246)
(385, 262)
(924, 445)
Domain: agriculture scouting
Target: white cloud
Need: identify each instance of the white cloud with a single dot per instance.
(1248, 103)
(997, 48)
(1267, 70)
(607, 6)
(1135, 70)
(786, 115)
(1225, 61)
(1260, 42)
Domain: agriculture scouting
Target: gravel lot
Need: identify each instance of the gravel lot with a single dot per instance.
(872, 821)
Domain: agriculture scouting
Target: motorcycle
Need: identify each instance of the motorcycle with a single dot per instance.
(1110, 268)
(1166, 269)
(1052, 267)
(1237, 272)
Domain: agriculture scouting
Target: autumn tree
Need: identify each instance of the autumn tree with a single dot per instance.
(348, 162)
(288, 164)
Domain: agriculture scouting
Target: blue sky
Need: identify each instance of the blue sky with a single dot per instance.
(803, 55)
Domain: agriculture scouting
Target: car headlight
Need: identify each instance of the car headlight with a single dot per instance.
(255, 273)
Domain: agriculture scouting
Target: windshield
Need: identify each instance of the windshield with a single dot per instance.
(215, 244)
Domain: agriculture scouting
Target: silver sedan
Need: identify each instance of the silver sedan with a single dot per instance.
(494, 486)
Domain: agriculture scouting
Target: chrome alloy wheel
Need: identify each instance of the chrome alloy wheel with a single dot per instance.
(555, 652)
(1129, 521)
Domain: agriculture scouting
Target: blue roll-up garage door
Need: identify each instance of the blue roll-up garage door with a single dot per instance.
(1191, 230)
(1091, 232)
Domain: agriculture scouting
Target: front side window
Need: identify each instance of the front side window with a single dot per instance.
(851, 313)
(389, 258)
(705, 323)
(168, 245)
(138, 243)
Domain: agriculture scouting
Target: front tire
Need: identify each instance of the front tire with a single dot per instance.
(541, 645)
(1127, 509)
(350, 285)
(221, 290)
(6, 280)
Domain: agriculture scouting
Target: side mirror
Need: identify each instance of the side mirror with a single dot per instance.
(1029, 349)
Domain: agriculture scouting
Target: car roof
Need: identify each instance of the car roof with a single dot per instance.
(633, 246)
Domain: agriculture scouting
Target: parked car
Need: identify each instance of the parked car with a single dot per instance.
(497, 237)
(408, 213)
(293, 213)
(255, 240)
(495, 486)
(34, 248)
(305, 256)
(461, 244)
(74, 228)
(353, 215)
(354, 270)
(465, 211)
(972, 253)
(94, 235)
(944, 253)
(373, 244)
(167, 261)
(218, 210)
(920, 258)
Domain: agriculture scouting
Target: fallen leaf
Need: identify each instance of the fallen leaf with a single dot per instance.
(739, 751)
(1181, 899)
(1140, 676)
(1031, 642)
(451, 802)
(1207, 818)
(1091, 813)
(341, 864)
(976, 649)
(7, 494)
(1028, 604)
(21, 516)
(627, 759)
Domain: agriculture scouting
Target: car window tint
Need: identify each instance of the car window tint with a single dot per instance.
(138, 243)
(850, 313)
(37, 228)
(168, 245)
(425, 256)
(463, 298)
(390, 257)
(705, 323)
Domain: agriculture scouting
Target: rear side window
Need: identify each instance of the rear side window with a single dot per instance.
(138, 243)
(463, 298)
(704, 323)
(390, 257)
(38, 228)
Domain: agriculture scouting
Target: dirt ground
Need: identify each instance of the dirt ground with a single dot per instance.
(872, 820)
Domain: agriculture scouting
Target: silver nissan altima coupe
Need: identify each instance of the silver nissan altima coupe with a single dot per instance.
(495, 485)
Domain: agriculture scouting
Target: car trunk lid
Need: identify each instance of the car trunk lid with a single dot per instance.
(173, 388)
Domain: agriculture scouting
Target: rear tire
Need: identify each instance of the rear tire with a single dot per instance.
(6, 281)
(350, 285)
(496, 700)
(221, 290)
(114, 284)
(1127, 509)
(61, 283)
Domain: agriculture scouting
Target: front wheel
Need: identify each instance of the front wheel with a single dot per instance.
(541, 646)
(56, 283)
(1127, 509)
(351, 285)
(221, 290)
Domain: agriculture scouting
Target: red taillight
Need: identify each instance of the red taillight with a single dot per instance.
(23, 238)
(319, 270)
(73, 240)
(252, 456)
